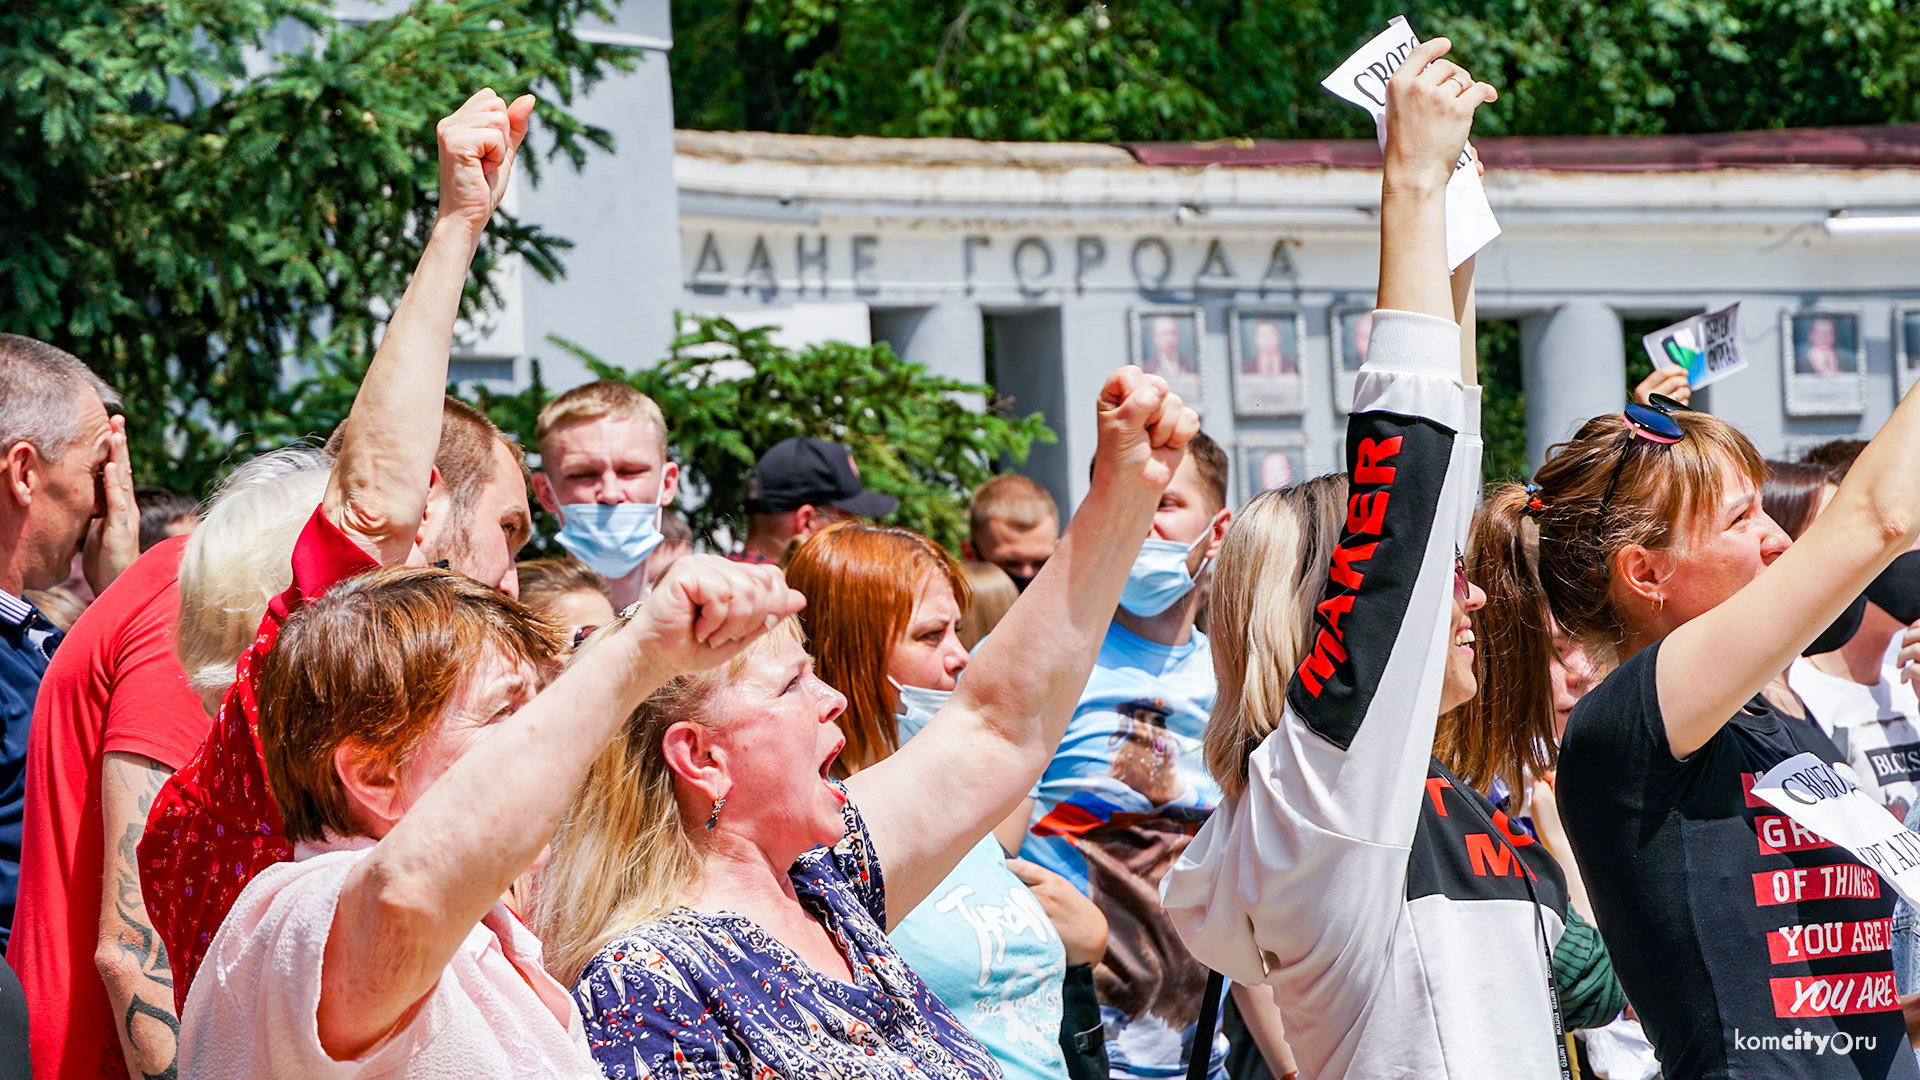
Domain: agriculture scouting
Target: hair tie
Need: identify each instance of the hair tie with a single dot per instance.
(1534, 504)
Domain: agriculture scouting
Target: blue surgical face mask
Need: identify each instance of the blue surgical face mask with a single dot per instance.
(614, 540)
(1159, 576)
(917, 706)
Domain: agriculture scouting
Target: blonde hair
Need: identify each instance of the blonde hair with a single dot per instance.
(993, 596)
(239, 558)
(623, 854)
(1265, 583)
(604, 397)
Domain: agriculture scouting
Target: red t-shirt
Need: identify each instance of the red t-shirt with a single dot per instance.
(113, 685)
(214, 825)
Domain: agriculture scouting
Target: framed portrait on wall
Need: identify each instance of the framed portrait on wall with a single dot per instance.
(1349, 329)
(1906, 345)
(1824, 361)
(1264, 345)
(1271, 460)
(1170, 341)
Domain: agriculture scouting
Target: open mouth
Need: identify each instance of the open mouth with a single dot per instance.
(826, 768)
(1463, 637)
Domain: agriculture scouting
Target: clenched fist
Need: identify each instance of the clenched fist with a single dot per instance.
(706, 609)
(477, 147)
(1143, 429)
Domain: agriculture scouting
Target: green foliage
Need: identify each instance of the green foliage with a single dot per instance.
(202, 194)
(1201, 69)
(1503, 404)
(730, 393)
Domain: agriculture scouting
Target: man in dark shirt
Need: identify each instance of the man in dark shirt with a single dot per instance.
(65, 489)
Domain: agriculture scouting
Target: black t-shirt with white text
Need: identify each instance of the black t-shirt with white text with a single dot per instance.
(1749, 946)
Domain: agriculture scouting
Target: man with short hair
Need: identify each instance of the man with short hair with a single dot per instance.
(604, 471)
(799, 487)
(1014, 525)
(1128, 786)
(164, 513)
(68, 489)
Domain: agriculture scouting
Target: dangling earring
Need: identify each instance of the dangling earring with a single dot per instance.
(1659, 605)
(713, 819)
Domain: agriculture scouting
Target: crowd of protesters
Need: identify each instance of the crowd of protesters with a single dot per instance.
(1384, 775)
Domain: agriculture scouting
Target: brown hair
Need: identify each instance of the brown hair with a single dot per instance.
(1495, 734)
(541, 580)
(993, 596)
(1210, 462)
(604, 397)
(374, 663)
(1266, 581)
(1836, 456)
(860, 582)
(1017, 500)
(1604, 490)
(1791, 495)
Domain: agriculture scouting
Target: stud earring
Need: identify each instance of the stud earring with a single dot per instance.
(713, 819)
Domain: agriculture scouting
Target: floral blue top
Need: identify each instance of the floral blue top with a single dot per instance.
(695, 995)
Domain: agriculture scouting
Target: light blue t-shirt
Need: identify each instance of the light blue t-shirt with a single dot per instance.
(984, 945)
(1121, 799)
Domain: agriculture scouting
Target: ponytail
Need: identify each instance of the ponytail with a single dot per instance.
(1505, 731)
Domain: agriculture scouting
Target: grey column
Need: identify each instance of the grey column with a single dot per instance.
(947, 337)
(1572, 369)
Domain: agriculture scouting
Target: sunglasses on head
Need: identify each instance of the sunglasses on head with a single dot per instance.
(1461, 590)
(1653, 422)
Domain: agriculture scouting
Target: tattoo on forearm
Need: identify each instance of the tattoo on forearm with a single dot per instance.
(160, 1037)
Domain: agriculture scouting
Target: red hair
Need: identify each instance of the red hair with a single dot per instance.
(860, 582)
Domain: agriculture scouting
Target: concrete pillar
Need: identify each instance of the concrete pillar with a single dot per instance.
(947, 337)
(1572, 369)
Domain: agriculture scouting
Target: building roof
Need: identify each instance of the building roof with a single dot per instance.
(1888, 146)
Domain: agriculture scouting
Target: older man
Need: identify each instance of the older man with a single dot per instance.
(68, 489)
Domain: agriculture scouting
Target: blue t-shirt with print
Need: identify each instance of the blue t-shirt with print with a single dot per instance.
(1125, 792)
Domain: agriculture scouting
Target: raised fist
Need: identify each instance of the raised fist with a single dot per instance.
(1143, 430)
(1430, 104)
(705, 609)
(477, 147)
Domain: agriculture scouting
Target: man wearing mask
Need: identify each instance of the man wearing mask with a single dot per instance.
(799, 487)
(1014, 525)
(1128, 786)
(69, 490)
(604, 471)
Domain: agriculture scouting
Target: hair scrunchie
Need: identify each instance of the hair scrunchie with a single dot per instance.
(1534, 503)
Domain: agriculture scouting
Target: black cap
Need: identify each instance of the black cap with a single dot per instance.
(812, 472)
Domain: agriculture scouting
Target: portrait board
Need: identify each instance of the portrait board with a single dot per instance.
(1265, 345)
(1270, 461)
(1824, 361)
(1170, 341)
(1906, 345)
(1350, 329)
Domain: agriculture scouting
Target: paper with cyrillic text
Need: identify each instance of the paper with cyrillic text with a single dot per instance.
(1362, 79)
(1708, 346)
(1823, 801)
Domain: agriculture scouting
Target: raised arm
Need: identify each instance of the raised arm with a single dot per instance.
(1715, 663)
(944, 790)
(378, 491)
(405, 908)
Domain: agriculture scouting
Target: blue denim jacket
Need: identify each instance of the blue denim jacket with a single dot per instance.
(1906, 934)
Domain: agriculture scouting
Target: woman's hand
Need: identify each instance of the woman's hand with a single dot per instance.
(1078, 921)
(706, 609)
(1430, 104)
(1667, 382)
(1907, 662)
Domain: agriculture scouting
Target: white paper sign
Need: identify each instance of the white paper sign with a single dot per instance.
(1708, 346)
(1362, 79)
(1822, 801)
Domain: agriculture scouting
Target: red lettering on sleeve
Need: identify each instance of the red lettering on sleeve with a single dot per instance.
(1333, 608)
(1434, 784)
(1344, 557)
(1834, 995)
(1367, 458)
(1318, 666)
(1367, 512)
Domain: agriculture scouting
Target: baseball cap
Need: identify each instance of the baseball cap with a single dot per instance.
(812, 472)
